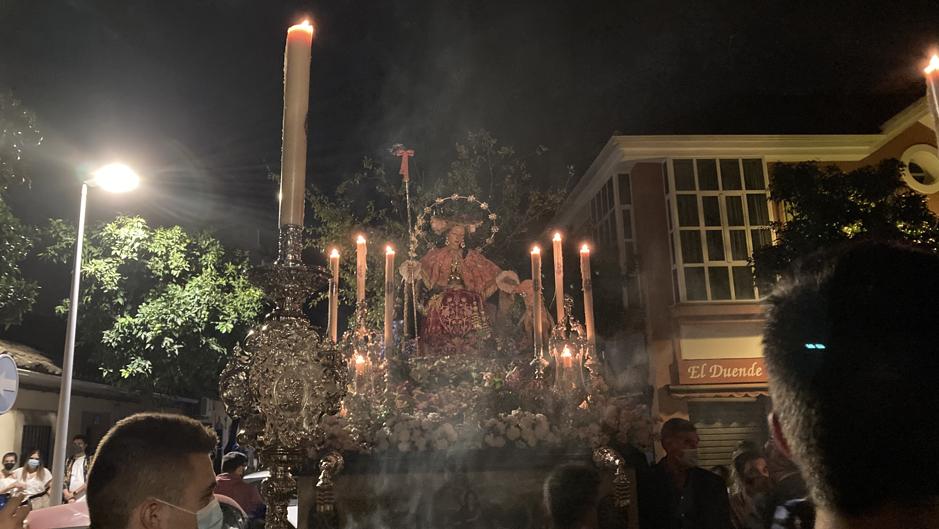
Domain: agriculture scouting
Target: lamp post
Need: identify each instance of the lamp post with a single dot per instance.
(115, 178)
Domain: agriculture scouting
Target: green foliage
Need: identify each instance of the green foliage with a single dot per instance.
(826, 206)
(161, 309)
(18, 134)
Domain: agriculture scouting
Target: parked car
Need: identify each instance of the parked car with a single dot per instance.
(256, 478)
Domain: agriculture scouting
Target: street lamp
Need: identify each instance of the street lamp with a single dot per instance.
(115, 178)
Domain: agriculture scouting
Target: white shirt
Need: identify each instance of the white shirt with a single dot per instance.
(36, 482)
(77, 478)
(6, 481)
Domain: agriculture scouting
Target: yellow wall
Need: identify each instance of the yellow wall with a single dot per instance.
(721, 340)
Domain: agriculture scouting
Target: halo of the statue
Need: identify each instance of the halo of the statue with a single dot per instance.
(423, 218)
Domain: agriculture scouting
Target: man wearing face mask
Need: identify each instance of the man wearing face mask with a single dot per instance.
(680, 494)
(76, 470)
(153, 471)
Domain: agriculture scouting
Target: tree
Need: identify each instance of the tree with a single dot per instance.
(826, 206)
(18, 134)
(160, 309)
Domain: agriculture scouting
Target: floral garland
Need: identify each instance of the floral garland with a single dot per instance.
(419, 231)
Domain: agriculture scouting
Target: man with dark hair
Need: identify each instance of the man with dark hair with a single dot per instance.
(680, 494)
(571, 494)
(76, 470)
(852, 348)
(231, 483)
(153, 471)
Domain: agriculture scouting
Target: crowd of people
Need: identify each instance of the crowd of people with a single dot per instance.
(850, 448)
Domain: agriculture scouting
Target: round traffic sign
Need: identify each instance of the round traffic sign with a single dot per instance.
(9, 383)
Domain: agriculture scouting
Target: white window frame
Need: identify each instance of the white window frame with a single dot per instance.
(678, 264)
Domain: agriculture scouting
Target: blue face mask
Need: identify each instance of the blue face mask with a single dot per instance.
(33, 463)
(208, 517)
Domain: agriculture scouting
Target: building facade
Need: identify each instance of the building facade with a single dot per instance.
(684, 214)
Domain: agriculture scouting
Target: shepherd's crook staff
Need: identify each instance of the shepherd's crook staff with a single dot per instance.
(410, 289)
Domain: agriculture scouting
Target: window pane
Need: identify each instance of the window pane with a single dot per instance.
(625, 193)
(734, 211)
(609, 195)
(730, 175)
(743, 282)
(753, 174)
(715, 242)
(720, 282)
(691, 246)
(627, 224)
(694, 284)
(712, 211)
(684, 175)
(738, 245)
(761, 238)
(707, 175)
(687, 210)
(758, 209)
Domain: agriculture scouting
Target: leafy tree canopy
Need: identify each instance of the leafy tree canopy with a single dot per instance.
(18, 133)
(161, 308)
(826, 206)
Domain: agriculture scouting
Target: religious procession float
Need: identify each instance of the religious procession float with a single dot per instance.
(452, 412)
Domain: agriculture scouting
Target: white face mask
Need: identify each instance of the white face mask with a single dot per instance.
(689, 457)
(208, 517)
(33, 463)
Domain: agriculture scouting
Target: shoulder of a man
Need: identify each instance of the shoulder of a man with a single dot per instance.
(708, 479)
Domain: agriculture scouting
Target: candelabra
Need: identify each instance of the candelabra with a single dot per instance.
(285, 377)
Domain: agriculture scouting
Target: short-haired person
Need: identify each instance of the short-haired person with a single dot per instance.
(231, 483)
(852, 349)
(9, 483)
(682, 495)
(571, 496)
(153, 471)
(76, 470)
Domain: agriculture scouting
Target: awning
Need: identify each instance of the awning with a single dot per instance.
(718, 391)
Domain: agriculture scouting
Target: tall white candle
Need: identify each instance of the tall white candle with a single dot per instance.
(389, 294)
(296, 105)
(536, 297)
(932, 91)
(558, 276)
(587, 285)
(360, 269)
(334, 295)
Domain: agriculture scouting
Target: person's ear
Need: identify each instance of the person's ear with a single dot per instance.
(150, 515)
(779, 438)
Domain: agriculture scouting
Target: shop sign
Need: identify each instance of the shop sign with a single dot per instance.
(721, 371)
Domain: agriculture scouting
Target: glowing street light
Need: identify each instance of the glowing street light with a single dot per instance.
(115, 178)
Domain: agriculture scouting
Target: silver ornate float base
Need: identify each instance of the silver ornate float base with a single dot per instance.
(285, 377)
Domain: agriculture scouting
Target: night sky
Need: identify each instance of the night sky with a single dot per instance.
(189, 92)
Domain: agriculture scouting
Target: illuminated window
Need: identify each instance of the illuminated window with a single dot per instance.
(719, 215)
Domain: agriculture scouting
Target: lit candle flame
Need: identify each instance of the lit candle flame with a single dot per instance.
(334, 253)
(566, 352)
(536, 249)
(389, 250)
(303, 26)
(360, 239)
(359, 359)
(585, 248)
(933, 65)
(557, 236)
